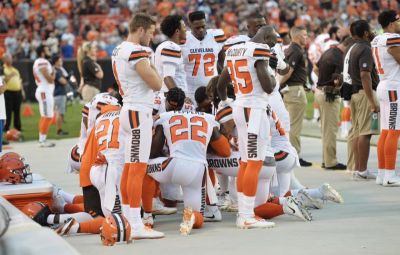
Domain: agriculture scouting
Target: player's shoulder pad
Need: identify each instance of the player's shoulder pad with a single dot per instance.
(224, 114)
(171, 49)
(392, 39)
(137, 52)
(236, 39)
(218, 34)
(163, 117)
(259, 50)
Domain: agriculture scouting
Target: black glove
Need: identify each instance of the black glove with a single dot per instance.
(273, 61)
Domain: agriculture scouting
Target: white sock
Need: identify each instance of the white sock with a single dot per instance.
(125, 211)
(294, 182)
(223, 181)
(294, 192)
(147, 215)
(232, 190)
(248, 206)
(389, 174)
(42, 138)
(240, 202)
(284, 182)
(136, 220)
(81, 216)
(58, 218)
(282, 200)
(381, 172)
(68, 197)
(314, 193)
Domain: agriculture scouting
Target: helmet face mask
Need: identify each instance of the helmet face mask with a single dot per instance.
(115, 229)
(14, 170)
(24, 174)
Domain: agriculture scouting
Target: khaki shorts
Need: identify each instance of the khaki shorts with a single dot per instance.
(361, 114)
(88, 92)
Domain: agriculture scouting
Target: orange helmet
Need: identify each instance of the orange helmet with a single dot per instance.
(115, 228)
(11, 155)
(15, 171)
(13, 135)
(37, 211)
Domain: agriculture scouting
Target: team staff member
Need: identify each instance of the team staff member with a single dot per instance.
(13, 94)
(90, 70)
(364, 81)
(60, 93)
(295, 99)
(327, 95)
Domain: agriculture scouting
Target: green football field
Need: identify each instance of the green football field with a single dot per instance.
(73, 120)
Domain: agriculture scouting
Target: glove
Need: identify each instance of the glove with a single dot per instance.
(225, 103)
(282, 65)
(273, 61)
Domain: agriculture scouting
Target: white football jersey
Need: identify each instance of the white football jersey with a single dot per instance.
(135, 92)
(187, 133)
(169, 62)
(110, 140)
(236, 39)
(240, 60)
(40, 80)
(386, 66)
(200, 58)
(159, 103)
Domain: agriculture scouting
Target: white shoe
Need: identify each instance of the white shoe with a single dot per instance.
(394, 181)
(292, 207)
(58, 200)
(307, 201)
(46, 144)
(379, 179)
(188, 220)
(364, 175)
(223, 200)
(148, 221)
(212, 214)
(67, 228)
(329, 193)
(232, 207)
(160, 209)
(252, 222)
(144, 232)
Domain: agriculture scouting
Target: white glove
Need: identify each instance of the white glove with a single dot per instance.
(282, 65)
(225, 103)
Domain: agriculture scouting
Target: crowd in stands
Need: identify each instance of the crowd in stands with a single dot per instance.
(64, 24)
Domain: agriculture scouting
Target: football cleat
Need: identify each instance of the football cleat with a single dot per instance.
(58, 200)
(252, 222)
(188, 220)
(307, 201)
(148, 221)
(144, 232)
(364, 175)
(46, 144)
(160, 209)
(65, 229)
(212, 214)
(292, 207)
(393, 181)
(329, 193)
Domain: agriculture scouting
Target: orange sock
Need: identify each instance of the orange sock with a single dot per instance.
(78, 199)
(148, 191)
(250, 178)
(123, 185)
(268, 210)
(91, 226)
(390, 149)
(137, 171)
(381, 149)
(44, 125)
(198, 222)
(240, 176)
(74, 208)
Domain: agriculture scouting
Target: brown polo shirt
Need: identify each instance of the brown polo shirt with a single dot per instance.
(331, 62)
(297, 58)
